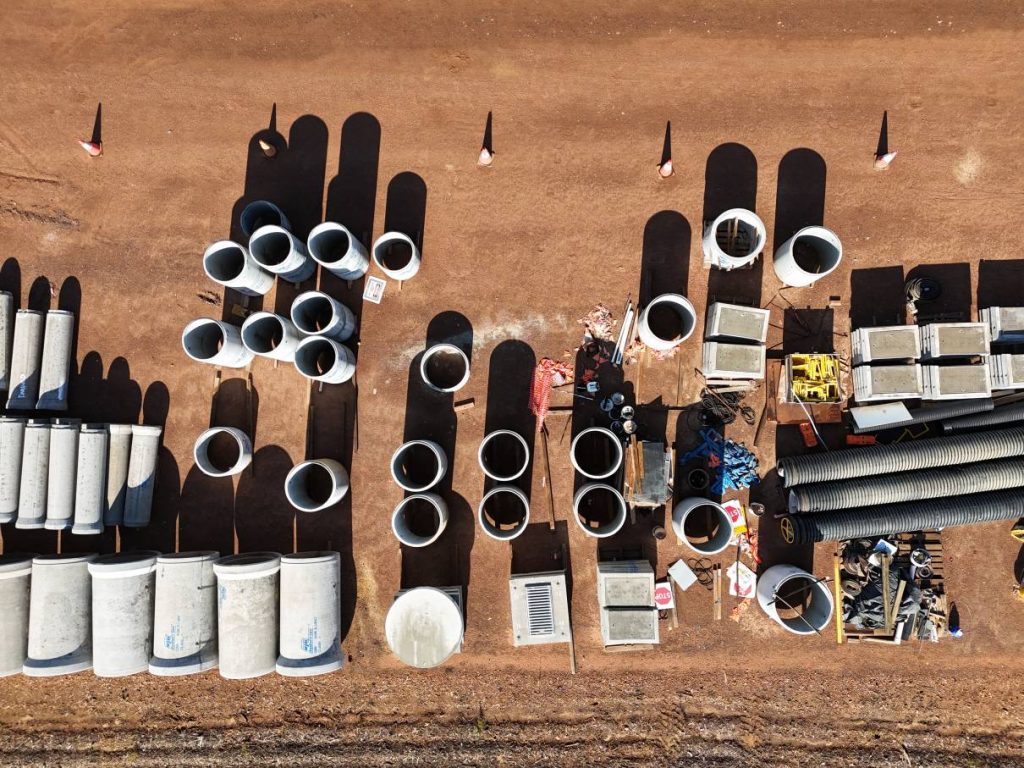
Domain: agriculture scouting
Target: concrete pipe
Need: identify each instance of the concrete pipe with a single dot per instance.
(142, 464)
(808, 256)
(231, 265)
(424, 627)
(503, 455)
(444, 368)
(314, 313)
(599, 510)
(56, 362)
(315, 485)
(15, 577)
(35, 469)
(703, 525)
(667, 322)
(117, 472)
(800, 603)
(59, 616)
(26, 359)
(61, 476)
(596, 453)
(396, 255)
(310, 634)
(419, 465)
(91, 482)
(419, 519)
(504, 512)
(337, 250)
(122, 612)
(215, 342)
(6, 338)
(277, 250)
(322, 359)
(184, 614)
(222, 451)
(269, 335)
(247, 614)
(262, 213)
(12, 442)
(734, 239)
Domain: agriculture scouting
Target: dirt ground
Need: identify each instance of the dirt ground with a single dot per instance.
(379, 118)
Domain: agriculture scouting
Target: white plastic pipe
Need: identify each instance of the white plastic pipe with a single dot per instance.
(397, 255)
(314, 313)
(414, 528)
(222, 451)
(444, 368)
(670, 335)
(230, 264)
(59, 616)
(184, 614)
(15, 576)
(215, 342)
(599, 526)
(6, 338)
(797, 601)
(56, 362)
(322, 359)
(337, 250)
(720, 533)
(122, 612)
(35, 468)
(315, 485)
(61, 475)
(26, 357)
(310, 635)
(91, 483)
(506, 525)
(260, 213)
(247, 614)
(277, 250)
(591, 466)
(503, 455)
(12, 442)
(419, 465)
(808, 256)
(743, 234)
(270, 335)
(142, 463)
(117, 472)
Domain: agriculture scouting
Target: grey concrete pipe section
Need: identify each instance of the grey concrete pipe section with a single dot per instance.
(809, 255)
(583, 463)
(6, 338)
(397, 255)
(117, 472)
(26, 357)
(55, 367)
(91, 480)
(247, 614)
(310, 634)
(505, 525)
(12, 441)
(59, 616)
(215, 342)
(337, 250)
(184, 614)
(444, 368)
(261, 213)
(503, 455)
(418, 534)
(814, 597)
(271, 336)
(315, 485)
(321, 359)
(314, 313)
(601, 526)
(718, 536)
(35, 467)
(231, 451)
(277, 250)
(61, 480)
(419, 465)
(230, 264)
(15, 577)
(142, 465)
(122, 612)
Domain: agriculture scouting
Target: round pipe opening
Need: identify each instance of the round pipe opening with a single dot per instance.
(270, 246)
(418, 465)
(264, 333)
(800, 603)
(224, 261)
(445, 368)
(419, 519)
(315, 357)
(313, 314)
(395, 255)
(667, 321)
(203, 339)
(261, 213)
(222, 451)
(599, 510)
(503, 455)
(315, 485)
(816, 251)
(596, 453)
(504, 512)
(330, 246)
(734, 239)
(703, 525)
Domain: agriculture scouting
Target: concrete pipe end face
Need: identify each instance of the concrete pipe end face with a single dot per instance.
(268, 335)
(503, 434)
(821, 244)
(424, 627)
(251, 565)
(616, 452)
(124, 564)
(242, 448)
(384, 244)
(492, 527)
(409, 537)
(260, 213)
(614, 524)
(444, 381)
(330, 477)
(728, 261)
(684, 310)
(715, 544)
(401, 477)
(309, 354)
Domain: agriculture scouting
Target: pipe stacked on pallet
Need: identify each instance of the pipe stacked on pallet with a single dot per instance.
(886, 489)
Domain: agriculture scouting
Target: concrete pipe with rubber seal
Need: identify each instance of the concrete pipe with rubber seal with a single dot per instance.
(229, 264)
(222, 451)
(337, 250)
(419, 465)
(215, 342)
(314, 313)
(503, 455)
(316, 485)
(419, 519)
(322, 359)
(596, 453)
(444, 368)
(396, 255)
(277, 250)
(599, 510)
(262, 213)
(504, 512)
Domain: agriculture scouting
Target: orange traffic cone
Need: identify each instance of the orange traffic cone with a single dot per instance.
(882, 161)
(486, 157)
(665, 169)
(92, 148)
(267, 148)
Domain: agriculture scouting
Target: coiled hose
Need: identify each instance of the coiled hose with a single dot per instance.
(901, 457)
(1005, 415)
(908, 486)
(934, 413)
(901, 518)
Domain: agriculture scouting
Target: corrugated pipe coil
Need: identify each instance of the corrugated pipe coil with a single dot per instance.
(1005, 415)
(934, 413)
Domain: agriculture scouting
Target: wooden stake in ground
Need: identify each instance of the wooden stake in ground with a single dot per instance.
(886, 597)
(547, 477)
(838, 596)
(716, 576)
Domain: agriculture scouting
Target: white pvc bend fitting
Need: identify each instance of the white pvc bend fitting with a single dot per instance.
(418, 450)
(271, 336)
(400, 523)
(396, 255)
(433, 356)
(500, 529)
(229, 264)
(216, 343)
(671, 302)
(314, 313)
(322, 359)
(616, 453)
(603, 529)
(338, 251)
(241, 451)
(277, 250)
(808, 256)
(315, 485)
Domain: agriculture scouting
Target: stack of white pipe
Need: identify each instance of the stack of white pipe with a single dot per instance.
(35, 356)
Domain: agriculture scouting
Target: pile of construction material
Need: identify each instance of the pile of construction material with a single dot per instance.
(734, 344)
(35, 356)
(733, 466)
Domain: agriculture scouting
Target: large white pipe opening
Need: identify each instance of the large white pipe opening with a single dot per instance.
(247, 614)
(419, 465)
(702, 525)
(667, 322)
(310, 635)
(808, 256)
(184, 614)
(142, 463)
(596, 453)
(59, 616)
(397, 255)
(503, 455)
(315, 485)
(322, 359)
(424, 627)
(35, 470)
(122, 612)
(419, 519)
(222, 451)
(91, 482)
(444, 368)
(277, 250)
(211, 341)
(337, 250)
(599, 510)
(314, 313)
(734, 239)
(270, 335)
(26, 358)
(15, 577)
(61, 477)
(117, 472)
(6, 338)
(56, 361)
(800, 603)
(262, 213)
(231, 265)
(12, 442)
(504, 512)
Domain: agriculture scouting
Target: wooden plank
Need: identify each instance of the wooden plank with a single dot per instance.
(838, 598)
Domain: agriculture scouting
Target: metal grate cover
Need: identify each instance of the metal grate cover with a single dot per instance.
(540, 609)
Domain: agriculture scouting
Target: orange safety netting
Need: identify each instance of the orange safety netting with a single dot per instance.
(544, 379)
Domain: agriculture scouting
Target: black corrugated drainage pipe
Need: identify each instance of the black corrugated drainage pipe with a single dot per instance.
(934, 413)
(1005, 415)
